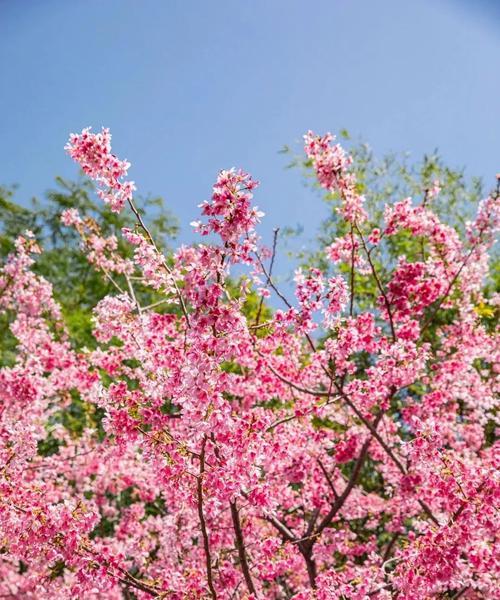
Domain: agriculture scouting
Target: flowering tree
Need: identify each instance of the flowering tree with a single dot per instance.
(340, 447)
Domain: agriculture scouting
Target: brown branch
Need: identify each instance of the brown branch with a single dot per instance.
(365, 421)
(282, 297)
(390, 546)
(312, 523)
(130, 581)
(203, 525)
(329, 479)
(271, 283)
(464, 504)
(276, 523)
(310, 566)
(351, 300)
(371, 428)
(271, 265)
(430, 318)
(293, 385)
(339, 502)
(379, 285)
(285, 532)
(306, 545)
(240, 545)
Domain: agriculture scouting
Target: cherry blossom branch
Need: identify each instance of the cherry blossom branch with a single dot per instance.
(328, 479)
(282, 297)
(271, 265)
(365, 421)
(390, 546)
(379, 284)
(339, 502)
(164, 263)
(132, 293)
(352, 275)
(240, 545)
(203, 525)
(454, 279)
(351, 405)
(271, 283)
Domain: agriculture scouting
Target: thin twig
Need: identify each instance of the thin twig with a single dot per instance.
(329, 479)
(271, 265)
(430, 318)
(164, 262)
(352, 276)
(379, 285)
(365, 421)
(132, 293)
(339, 502)
(390, 546)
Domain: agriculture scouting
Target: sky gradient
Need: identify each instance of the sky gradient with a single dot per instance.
(188, 88)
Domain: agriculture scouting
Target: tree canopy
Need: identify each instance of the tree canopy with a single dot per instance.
(173, 425)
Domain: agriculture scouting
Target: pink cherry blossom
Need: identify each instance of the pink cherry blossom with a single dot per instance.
(335, 450)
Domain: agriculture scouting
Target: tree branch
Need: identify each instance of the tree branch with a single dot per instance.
(240, 545)
(203, 525)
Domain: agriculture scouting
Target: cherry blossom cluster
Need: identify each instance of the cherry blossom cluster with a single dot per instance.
(331, 164)
(335, 449)
(231, 214)
(93, 152)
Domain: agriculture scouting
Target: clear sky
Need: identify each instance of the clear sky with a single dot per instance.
(190, 87)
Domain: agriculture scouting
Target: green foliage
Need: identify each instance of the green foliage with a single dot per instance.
(57, 569)
(50, 445)
(327, 423)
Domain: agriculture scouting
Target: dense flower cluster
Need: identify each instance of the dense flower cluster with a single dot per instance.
(251, 459)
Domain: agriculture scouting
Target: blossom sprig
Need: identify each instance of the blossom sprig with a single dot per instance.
(331, 165)
(93, 153)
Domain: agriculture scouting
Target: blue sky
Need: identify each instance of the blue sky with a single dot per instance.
(190, 87)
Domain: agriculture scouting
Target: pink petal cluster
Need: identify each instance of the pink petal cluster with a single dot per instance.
(231, 214)
(93, 153)
(331, 165)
